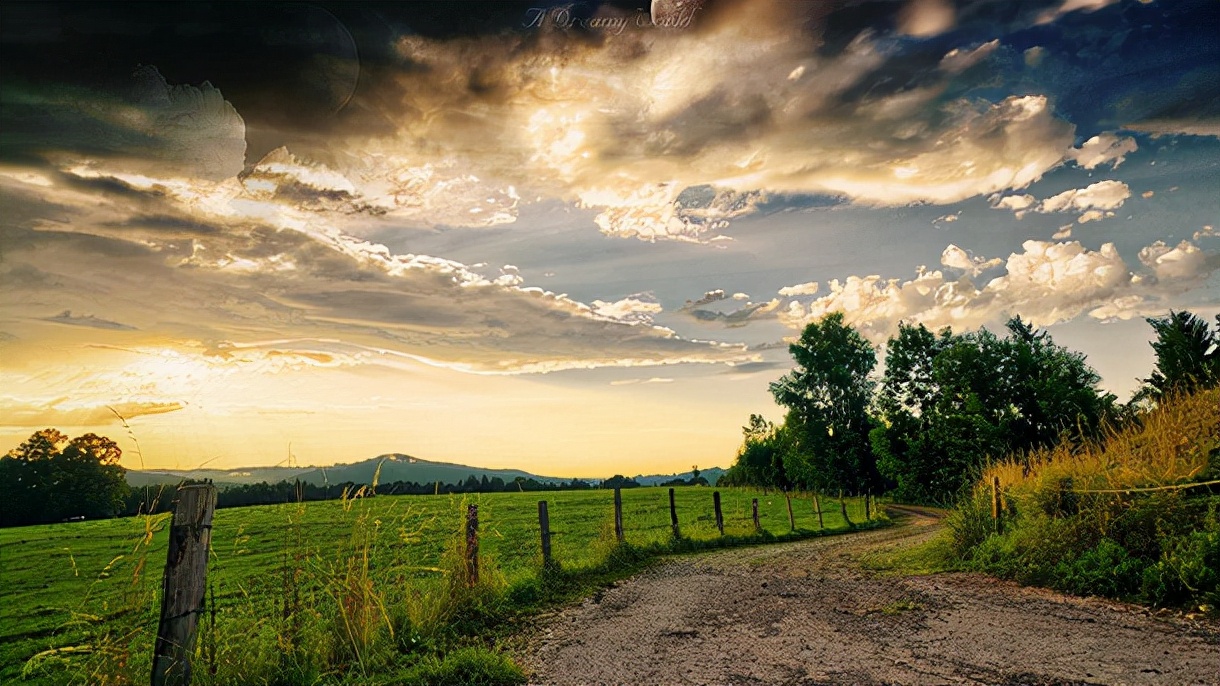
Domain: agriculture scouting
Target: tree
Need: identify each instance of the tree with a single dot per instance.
(948, 403)
(905, 405)
(828, 396)
(1187, 355)
(44, 480)
(760, 459)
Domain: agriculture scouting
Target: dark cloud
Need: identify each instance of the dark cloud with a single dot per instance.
(66, 317)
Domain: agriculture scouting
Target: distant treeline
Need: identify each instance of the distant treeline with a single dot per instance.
(160, 498)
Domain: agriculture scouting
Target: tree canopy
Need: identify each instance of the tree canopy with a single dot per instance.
(50, 478)
(828, 396)
(945, 404)
(1187, 355)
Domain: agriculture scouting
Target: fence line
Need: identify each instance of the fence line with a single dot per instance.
(190, 538)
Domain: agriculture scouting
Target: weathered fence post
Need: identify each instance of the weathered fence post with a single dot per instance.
(997, 512)
(673, 514)
(719, 514)
(817, 507)
(183, 586)
(618, 515)
(868, 510)
(757, 524)
(544, 525)
(843, 508)
(791, 517)
(472, 545)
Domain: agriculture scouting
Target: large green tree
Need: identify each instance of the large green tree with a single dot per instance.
(903, 442)
(49, 478)
(1187, 355)
(949, 403)
(828, 395)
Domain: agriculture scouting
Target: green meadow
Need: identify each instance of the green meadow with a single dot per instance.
(365, 590)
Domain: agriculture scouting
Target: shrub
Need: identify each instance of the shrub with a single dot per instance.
(1189, 570)
(472, 666)
(1106, 570)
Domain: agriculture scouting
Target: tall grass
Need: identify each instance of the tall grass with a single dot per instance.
(373, 590)
(1131, 516)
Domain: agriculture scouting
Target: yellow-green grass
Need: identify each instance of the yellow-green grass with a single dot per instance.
(79, 600)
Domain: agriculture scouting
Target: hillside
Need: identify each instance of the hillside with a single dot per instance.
(399, 467)
(394, 467)
(712, 474)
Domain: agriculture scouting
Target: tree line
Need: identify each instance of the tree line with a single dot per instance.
(51, 478)
(945, 404)
(159, 498)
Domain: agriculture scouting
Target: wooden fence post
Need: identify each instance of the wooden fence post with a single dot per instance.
(868, 512)
(673, 514)
(719, 514)
(472, 545)
(843, 508)
(757, 524)
(544, 525)
(997, 513)
(817, 507)
(183, 586)
(791, 518)
(618, 515)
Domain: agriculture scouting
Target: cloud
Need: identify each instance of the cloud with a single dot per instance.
(1096, 201)
(1183, 261)
(954, 257)
(249, 270)
(1045, 283)
(634, 309)
(65, 413)
(66, 317)
(632, 382)
(957, 60)
(1105, 148)
(150, 127)
(674, 136)
(707, 299)
(924, 18)
(1072, 6)
(1103, 195)
(800, 289)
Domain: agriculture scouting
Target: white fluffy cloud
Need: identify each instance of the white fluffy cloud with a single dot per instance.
(1105, 148)
(1095, 201)
(954, 257)
(1045, 283)
(1103, 195)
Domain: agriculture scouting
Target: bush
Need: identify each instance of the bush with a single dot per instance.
(1106, 570)
(472, 666)
(1188, 571)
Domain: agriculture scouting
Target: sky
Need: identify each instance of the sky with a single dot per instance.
(570, 238)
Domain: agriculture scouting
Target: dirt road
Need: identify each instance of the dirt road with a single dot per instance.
(806, 613)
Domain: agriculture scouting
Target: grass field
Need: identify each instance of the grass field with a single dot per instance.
(304, 592)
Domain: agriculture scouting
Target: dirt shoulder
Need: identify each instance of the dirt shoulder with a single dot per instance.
(807, 613)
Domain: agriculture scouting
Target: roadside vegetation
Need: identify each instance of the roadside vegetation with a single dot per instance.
(1134, 516)
(1097, 497)
(365, 590)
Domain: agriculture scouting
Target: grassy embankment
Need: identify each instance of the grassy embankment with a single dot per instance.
(1109, 519)
(367, 590)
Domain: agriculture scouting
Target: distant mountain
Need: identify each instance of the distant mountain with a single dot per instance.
(394, 467)
(399, 467)
(247, 475)
(712, 474)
